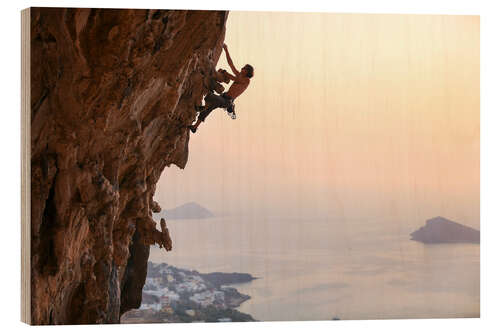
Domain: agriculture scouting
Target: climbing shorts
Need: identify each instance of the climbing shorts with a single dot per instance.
(213, 101)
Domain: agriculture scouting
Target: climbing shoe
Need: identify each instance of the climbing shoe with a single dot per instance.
(199, 108)
(192, 128)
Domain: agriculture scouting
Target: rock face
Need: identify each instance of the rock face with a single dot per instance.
(112, 92)
(187, 211)
(441, 230)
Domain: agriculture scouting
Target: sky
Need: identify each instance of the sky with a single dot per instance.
(348, 115)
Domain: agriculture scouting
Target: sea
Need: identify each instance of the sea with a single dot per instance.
(324, 268)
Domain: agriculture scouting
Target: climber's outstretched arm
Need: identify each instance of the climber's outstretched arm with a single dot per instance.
(230, 62)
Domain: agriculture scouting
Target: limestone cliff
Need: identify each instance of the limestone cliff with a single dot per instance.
(112, 92)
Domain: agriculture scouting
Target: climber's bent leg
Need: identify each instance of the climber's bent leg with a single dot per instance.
(213, 102)
(201, 117)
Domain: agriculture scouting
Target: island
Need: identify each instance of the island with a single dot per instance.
(172, 294)
(441, 230)
(187, 211)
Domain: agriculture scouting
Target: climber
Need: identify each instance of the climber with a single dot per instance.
(226, 100)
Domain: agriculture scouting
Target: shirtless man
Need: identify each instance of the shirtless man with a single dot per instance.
(212, 101)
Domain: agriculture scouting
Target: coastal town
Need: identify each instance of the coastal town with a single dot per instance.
(171, 294)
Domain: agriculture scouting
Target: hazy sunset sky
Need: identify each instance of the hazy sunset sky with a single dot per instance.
(348, 114)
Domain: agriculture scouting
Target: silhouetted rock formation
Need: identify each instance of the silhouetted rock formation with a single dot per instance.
(219, 279)
(190, 210)
(112, 92)
(441, 230)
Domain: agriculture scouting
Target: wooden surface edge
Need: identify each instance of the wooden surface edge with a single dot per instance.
(25, 169)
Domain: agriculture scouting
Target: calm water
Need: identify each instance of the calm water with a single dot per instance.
(317, 270)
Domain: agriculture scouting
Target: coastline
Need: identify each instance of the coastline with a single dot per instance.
(172, 294)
